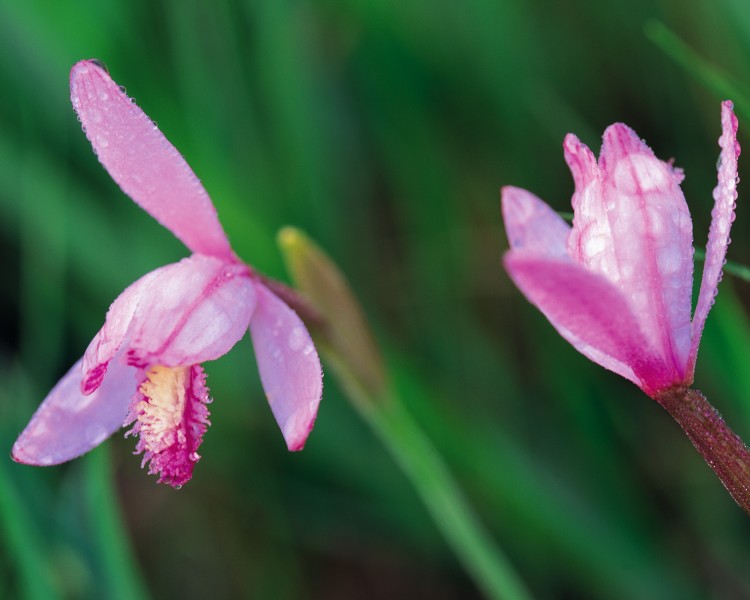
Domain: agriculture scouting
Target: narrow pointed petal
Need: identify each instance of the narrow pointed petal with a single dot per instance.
(651, 235)
(722, 215)
(590, 242)
(143, 162)
(68, 424)
(531, 225)
(181, 314)
(289, 367)
(582, 164)
(592, 314)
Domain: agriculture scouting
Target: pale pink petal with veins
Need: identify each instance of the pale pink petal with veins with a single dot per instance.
(652, 242)
(181, 314)
(68, 424)
(289, 367)
(590, 241)
(142, 161)
(722, 216)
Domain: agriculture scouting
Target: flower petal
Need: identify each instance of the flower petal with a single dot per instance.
(591, 313)
(722, 215)
(289, 366)
(531, 225)
(178, 315)
(68, 424)
(652, 237)
(107, 342)
(143, 162)
(590, 242)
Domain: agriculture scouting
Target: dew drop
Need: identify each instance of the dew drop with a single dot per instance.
(178, 487)
(296, 339)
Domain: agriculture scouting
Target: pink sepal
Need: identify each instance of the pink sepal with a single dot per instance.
(722, 216)
(289, 366)
(591, 313)
(182, 314)
(531, 225)
(142, 161)
(68, 424)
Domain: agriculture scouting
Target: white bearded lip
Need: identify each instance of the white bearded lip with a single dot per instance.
(160, 412)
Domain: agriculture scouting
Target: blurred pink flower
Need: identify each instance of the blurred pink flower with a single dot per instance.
(144, 365)
(618, 284)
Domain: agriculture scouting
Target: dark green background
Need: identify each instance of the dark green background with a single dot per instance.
(384, 129)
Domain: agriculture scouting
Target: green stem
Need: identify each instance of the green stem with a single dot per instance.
(424, 466)
(721, 448)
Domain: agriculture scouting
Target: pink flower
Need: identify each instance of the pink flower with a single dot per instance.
(618, 284)
(144, 365)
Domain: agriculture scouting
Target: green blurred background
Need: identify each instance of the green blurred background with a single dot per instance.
(384, 130)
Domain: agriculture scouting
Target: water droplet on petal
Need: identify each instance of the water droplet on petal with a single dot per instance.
(296, 339)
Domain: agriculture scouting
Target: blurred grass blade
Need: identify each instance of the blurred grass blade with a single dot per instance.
(23, 542)
(119, 569)
(346, 342)
(709, 75)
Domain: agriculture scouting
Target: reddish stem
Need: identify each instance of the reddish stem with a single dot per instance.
(721, 448)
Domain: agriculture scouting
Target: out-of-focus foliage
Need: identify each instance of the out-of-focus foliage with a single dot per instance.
(384, 129)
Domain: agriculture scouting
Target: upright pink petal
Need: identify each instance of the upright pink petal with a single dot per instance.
(592, 314)
(531, 225)
(722, 215)
(651, 236)
(289, 367)
(143, 162)
(68, 424)
(590, 242)
(181, 314)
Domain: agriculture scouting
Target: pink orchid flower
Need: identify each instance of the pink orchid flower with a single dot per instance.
(144, 366)
(618, 284)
